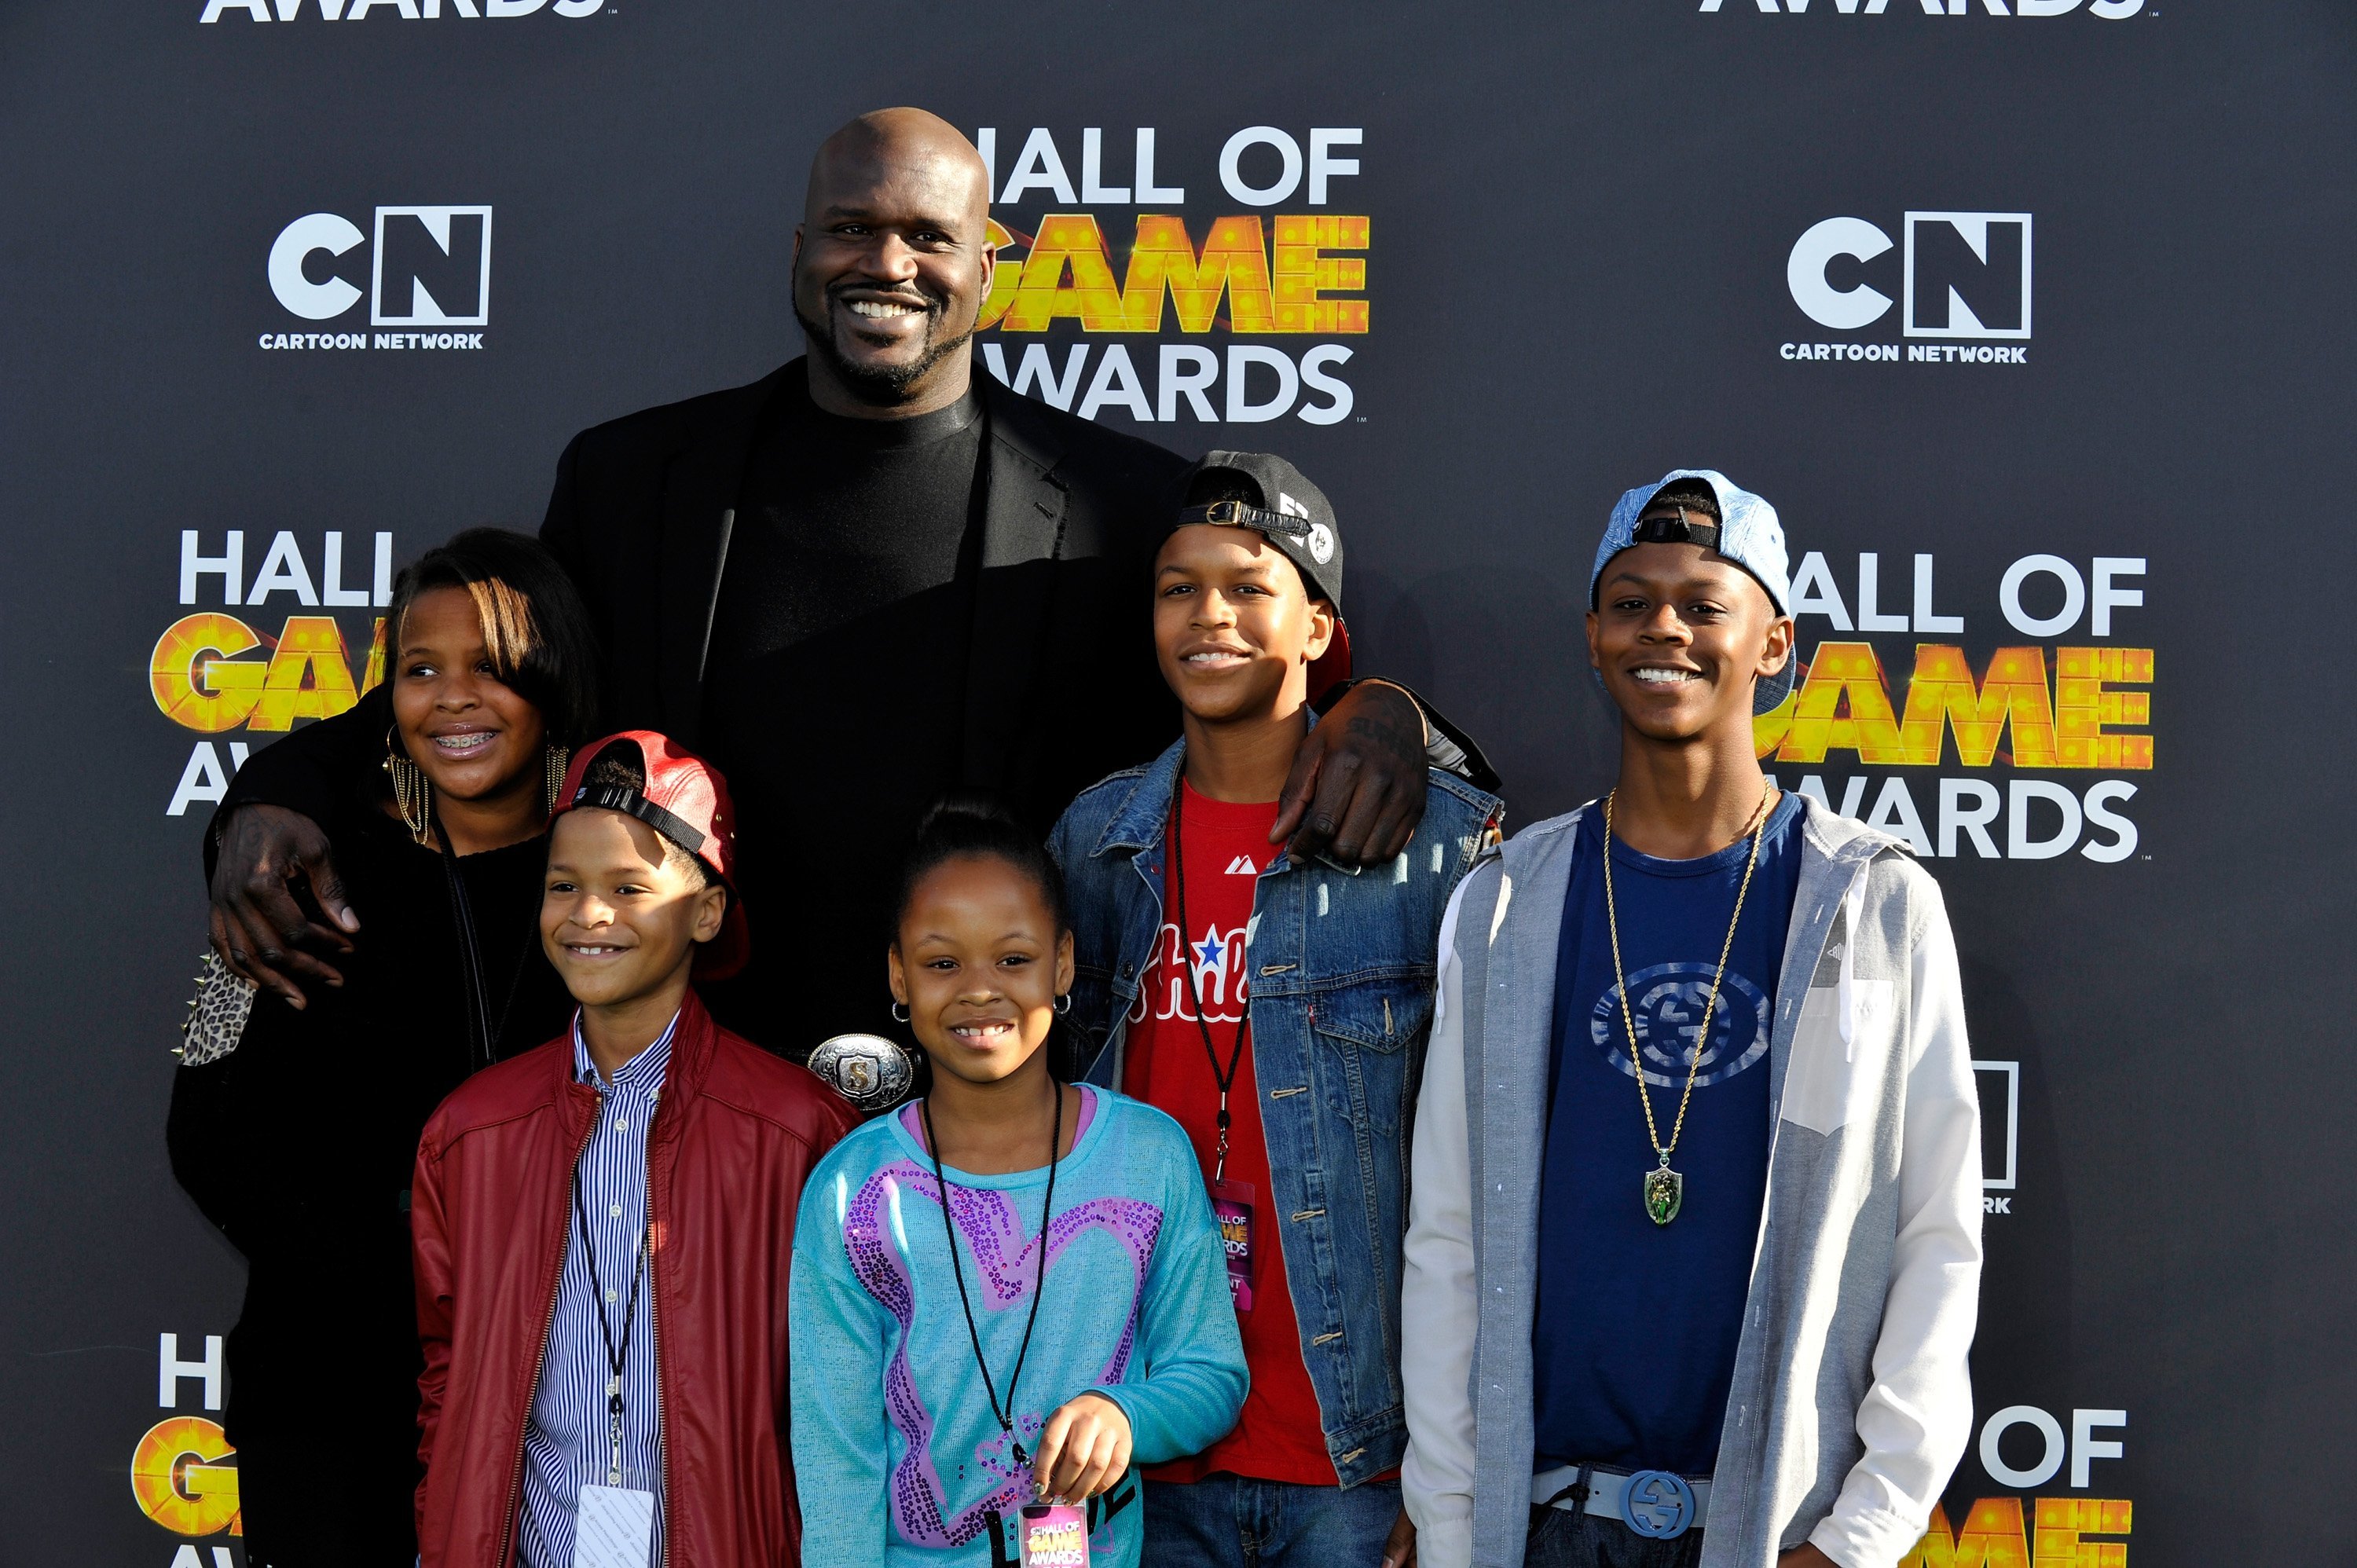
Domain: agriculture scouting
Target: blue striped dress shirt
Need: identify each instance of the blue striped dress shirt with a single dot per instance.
(568, 1444)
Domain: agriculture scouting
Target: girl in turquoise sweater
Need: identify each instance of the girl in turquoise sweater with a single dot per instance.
(933, 1398)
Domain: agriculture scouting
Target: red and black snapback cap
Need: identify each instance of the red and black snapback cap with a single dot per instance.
(686, 799)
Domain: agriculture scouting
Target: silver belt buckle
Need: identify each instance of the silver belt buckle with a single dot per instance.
(1657, 1504)
(868, 1070)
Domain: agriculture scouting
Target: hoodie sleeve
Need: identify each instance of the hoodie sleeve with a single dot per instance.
(1437, 1302)
(1916, 1416)
(1193, 1356)
(840, 1339)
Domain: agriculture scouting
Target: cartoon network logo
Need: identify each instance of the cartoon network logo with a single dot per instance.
(1961, 277)
(2000, 1093)
(2110, 10)
(424, 266)
(407, 10)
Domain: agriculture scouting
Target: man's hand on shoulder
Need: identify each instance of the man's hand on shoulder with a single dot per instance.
(1805, 1555)
(258, 928)
(1357, 789)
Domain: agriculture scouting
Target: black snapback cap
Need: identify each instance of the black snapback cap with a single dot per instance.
(1289, 511)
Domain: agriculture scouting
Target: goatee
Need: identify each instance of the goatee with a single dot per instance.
(879, 386)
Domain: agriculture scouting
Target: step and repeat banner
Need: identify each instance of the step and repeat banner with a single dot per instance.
(2032, 316)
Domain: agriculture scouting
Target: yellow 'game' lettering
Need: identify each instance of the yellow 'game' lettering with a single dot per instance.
(195, 674)
(1992, 1537)
(2062, 1520)
(1069, 274)
(1235, 260)
(1844, 705)
(1069, 242)
(1943, 692)
(309, 677)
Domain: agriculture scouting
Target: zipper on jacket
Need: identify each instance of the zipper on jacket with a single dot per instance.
(540, 1364)
(654, 1332)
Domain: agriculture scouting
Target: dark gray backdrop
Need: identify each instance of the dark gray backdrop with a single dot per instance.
(1581, 221)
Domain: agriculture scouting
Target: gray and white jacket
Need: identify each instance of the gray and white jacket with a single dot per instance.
(1851, 1401)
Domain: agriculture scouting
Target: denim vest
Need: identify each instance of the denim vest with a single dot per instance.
(1341, 1000)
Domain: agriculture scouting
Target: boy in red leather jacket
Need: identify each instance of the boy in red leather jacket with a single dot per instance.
(603, 1226)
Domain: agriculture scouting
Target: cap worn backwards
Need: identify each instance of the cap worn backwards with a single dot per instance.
(1292, 514)
(1748, 533)
(1296, 517)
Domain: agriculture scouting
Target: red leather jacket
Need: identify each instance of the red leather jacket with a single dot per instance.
(736, 1133)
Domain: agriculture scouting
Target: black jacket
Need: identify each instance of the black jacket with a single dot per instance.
(1062, 688)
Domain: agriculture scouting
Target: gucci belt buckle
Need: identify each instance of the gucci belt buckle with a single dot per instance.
(1657, 1504)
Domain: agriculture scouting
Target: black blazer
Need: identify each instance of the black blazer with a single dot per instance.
(1062, 688)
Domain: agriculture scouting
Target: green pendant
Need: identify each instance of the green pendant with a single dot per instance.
(1665, 1191)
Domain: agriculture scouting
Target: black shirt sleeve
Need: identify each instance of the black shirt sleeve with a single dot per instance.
(313, 770)
(1451, 749)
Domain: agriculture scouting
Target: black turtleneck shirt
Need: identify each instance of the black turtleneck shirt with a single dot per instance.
(834, 697)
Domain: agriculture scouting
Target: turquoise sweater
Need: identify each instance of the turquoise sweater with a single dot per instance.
(896, 1456)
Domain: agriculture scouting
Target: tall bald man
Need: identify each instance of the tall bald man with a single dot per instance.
(862, 580)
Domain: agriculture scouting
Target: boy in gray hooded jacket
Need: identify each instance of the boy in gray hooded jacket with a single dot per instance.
(1694, 1250)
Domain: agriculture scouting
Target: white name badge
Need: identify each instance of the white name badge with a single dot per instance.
(614, 1527)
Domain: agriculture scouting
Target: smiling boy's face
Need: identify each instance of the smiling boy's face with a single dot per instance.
(1680, 634)
(620, 915)
(1234, 628)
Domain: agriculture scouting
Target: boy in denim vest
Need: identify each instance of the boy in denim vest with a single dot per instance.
(1277, 1009)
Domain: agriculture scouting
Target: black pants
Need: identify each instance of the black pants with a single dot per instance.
(323, 1409)
(1559, 1539)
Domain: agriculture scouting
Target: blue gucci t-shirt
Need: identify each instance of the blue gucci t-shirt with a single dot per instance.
(1634, 1340)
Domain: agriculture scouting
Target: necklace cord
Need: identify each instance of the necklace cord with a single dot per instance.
(1004, 1417)
(470, 953)
(1225, 1081)
(1702, 1037)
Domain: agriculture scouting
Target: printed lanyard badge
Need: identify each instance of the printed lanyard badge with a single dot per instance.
(1052, 1535)
(1231, 1201)
(614, 1527)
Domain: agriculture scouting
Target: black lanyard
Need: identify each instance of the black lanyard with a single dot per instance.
(1226, 1080)
(615, 1356)
(1004, 1417)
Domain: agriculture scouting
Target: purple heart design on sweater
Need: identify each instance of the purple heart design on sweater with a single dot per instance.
(1007, 1262)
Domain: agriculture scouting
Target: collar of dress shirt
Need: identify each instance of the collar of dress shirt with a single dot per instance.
(647, 1067)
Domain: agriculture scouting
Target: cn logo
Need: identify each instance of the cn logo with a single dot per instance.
(428, 267)
(1962, 275)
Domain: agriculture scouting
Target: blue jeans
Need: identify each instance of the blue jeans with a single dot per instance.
(1228, 1521)
(1560, 1540)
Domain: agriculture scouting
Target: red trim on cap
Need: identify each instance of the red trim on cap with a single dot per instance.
(1331, 668)
(695, 792)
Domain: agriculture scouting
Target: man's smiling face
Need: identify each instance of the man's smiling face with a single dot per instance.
(892, 263)
(1680, 634)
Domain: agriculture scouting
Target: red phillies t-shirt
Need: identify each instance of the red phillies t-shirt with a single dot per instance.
(1278, 1437)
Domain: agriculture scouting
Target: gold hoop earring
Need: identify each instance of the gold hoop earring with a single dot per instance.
(559, 759)
(412, 795)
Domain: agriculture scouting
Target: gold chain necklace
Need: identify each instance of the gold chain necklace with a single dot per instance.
(1664, 1189)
